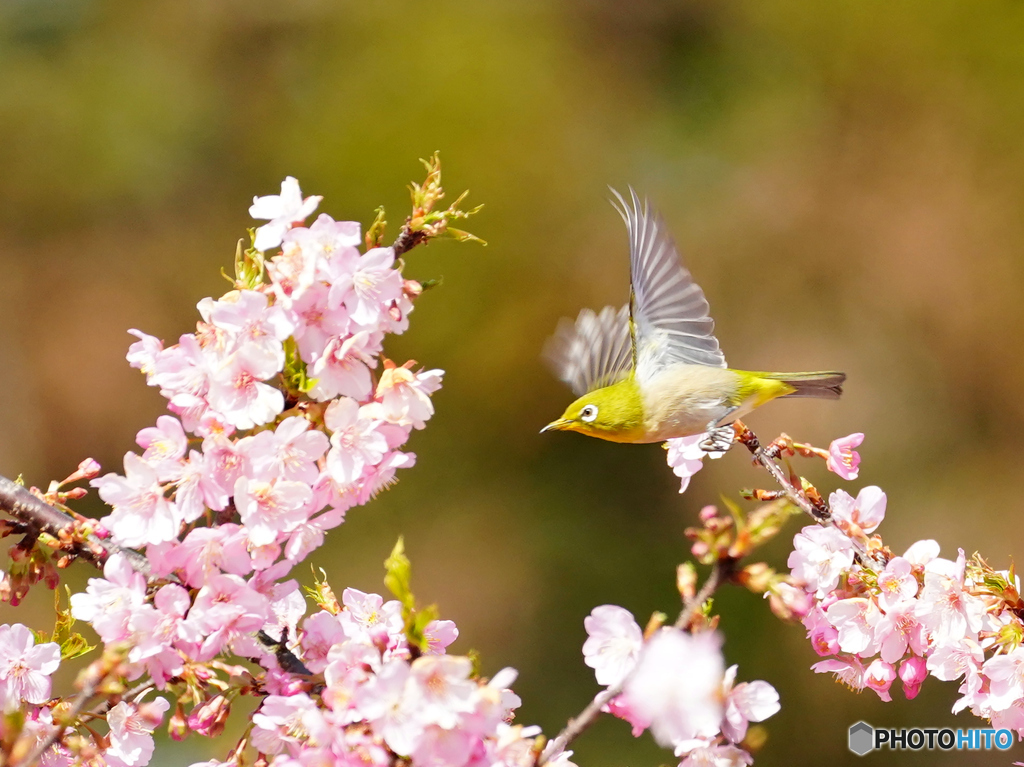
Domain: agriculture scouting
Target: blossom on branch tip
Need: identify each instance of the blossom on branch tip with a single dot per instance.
(283, 210)
(866, 511)
(843, 459)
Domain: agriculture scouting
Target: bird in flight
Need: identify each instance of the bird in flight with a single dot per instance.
(653, 370)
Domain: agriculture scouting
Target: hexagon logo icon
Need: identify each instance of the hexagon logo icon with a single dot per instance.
(862, 738)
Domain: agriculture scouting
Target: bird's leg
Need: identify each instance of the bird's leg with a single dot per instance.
(720, 437)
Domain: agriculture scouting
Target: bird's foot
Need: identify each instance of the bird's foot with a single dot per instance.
(719, 439)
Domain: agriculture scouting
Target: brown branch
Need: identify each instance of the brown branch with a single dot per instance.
(408, 239)
(579, 723)
(812, 505)
(41, 517)
(92, 677)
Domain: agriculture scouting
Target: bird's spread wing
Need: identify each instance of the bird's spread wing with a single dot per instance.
(594, 352)
(669, 316)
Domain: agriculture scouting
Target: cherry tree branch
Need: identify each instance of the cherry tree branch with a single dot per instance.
(578, 724)
(811, 503)
(40, 517)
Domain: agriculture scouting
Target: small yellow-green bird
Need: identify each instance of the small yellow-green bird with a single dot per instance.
(652, 370)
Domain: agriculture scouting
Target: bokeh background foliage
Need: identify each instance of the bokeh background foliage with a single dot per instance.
(844, 179)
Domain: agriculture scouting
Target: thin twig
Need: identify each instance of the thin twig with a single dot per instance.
(816, 508)
(89, 687)
(750, 441)
(579, 723)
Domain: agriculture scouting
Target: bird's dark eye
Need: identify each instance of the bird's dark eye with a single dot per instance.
(589, 413)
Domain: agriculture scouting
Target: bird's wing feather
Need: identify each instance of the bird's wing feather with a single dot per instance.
(669, 317)
(594, 351)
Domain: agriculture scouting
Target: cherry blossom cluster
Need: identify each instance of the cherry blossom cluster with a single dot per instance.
(676, 684)
(285, 415)
(382, 698)
(877, 617)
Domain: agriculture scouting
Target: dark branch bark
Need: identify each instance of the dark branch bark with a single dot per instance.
(41, 517)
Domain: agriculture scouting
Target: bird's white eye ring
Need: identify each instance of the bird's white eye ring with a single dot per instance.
(589, 413)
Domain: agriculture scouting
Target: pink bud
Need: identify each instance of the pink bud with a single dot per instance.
(708, 513)
(89, 468)
(208, 718)
(177, 726)
(912, 673)
(879, 676)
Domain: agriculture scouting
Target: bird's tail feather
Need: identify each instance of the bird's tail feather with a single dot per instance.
(826, 384)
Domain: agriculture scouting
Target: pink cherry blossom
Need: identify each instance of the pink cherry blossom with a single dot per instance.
(108, 603)
(443, 688)
(855, 620)
(131, 732)
(238, 393)
(369, 617)
(252, 324)
(225, 608)
(25, 667)
(270, 509)
(849, 671)
(159, 631)
(866, 511)
(141, 514)
(344, 367)
(677, 685)
(143, 353)
(438, 635)
(440, 747)
(899, 630)
(315, 323)
(948, 611)
(165, 445)
(686, 458)
(405, 396)
(896, 582)
(843, 459)
(922, 552)
(1006, 679)
(392, 713)
(205, 552)
(613, 643)
(746, 702)
(293, 723)
(374, 286)
(820, 555)
(824, 640)
(357, 441)
(283, 211)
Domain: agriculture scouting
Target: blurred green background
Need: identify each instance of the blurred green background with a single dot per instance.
(843, 178)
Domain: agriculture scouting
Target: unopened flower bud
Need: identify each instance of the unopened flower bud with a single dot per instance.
(177, 725)
(756, 577)
(912, 673)
(208, 718)
(686, 580)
